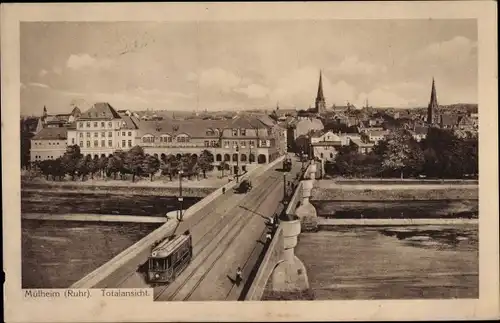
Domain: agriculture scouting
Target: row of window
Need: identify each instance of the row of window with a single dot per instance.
(243, 144)
(40, 157)
(243, 132)
(211, 143)
(89, 124)
(125, 144)
(103, 134)
(151, 139)
(50, 143)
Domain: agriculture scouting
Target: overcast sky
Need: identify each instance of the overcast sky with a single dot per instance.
(240, 65)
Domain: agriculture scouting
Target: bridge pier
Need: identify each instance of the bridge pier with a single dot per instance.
(290, 274)
(306, 211)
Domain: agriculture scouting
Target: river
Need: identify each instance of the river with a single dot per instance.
(56, 254)
(362, 263)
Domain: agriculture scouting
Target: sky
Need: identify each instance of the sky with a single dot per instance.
(226, 65)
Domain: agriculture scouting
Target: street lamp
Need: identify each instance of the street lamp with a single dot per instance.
(284, 187)
(180, 199)
(237, 162)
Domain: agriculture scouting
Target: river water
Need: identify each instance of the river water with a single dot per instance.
(56, 254)
(362, 263)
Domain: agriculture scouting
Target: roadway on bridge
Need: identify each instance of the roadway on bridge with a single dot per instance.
(233, 235)
(216, 230)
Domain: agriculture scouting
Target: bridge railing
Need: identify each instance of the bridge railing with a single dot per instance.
(270, 260)
(273, 253)
(141, 248)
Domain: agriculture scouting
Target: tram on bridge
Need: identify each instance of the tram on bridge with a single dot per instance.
(169, 258)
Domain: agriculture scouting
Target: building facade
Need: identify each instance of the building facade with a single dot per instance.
(48, 143)
(101, 131)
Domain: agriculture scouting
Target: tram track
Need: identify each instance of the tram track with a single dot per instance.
(226, 230)
(211, 211)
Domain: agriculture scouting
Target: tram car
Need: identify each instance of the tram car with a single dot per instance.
(287, 165)
(169, 258)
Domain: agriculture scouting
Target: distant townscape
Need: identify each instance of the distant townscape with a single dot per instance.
(349, 141)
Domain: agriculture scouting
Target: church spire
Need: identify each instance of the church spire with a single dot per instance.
(432, 116)
(320, 98)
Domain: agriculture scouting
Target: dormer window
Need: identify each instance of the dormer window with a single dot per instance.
(148, 139)
(235, 132)
(243, 132)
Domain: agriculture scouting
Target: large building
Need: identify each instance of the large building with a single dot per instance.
(243, 140)
(101, 131)
(48, 143)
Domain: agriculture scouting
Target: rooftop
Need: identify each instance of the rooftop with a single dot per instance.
(52, 134)
(101, 110)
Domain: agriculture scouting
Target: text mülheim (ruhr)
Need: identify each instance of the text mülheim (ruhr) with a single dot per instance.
(87, 293)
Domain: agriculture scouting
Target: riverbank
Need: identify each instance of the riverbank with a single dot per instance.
(130, 190)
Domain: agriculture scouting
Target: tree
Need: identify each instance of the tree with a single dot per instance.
(93, 167)
(223, 166)
(101, 165)
(70, 159)
(82, 166)
(448, 156)
(133, 161)
(401, 153)
(150, 166)
(25, 146)
(186, 164)
(205, 162)
(45, 168)
(114, 165)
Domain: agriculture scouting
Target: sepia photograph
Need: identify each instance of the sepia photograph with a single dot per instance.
(250, 160)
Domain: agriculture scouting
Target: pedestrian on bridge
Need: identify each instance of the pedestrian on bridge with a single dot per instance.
(239, 278)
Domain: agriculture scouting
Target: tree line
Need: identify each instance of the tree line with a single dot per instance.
(440, 155)
(132, 163)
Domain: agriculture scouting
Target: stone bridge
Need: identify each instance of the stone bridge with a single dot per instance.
(280, 268)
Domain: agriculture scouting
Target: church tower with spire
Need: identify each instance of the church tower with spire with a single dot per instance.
(432, 109)
(320, 105)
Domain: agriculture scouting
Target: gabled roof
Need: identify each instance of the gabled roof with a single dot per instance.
(100, 110)
(51, 134)
(196, 128)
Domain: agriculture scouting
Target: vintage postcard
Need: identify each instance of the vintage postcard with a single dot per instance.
(250, 161)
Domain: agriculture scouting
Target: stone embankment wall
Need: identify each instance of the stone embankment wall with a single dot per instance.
(121, 190)
(395, 192)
